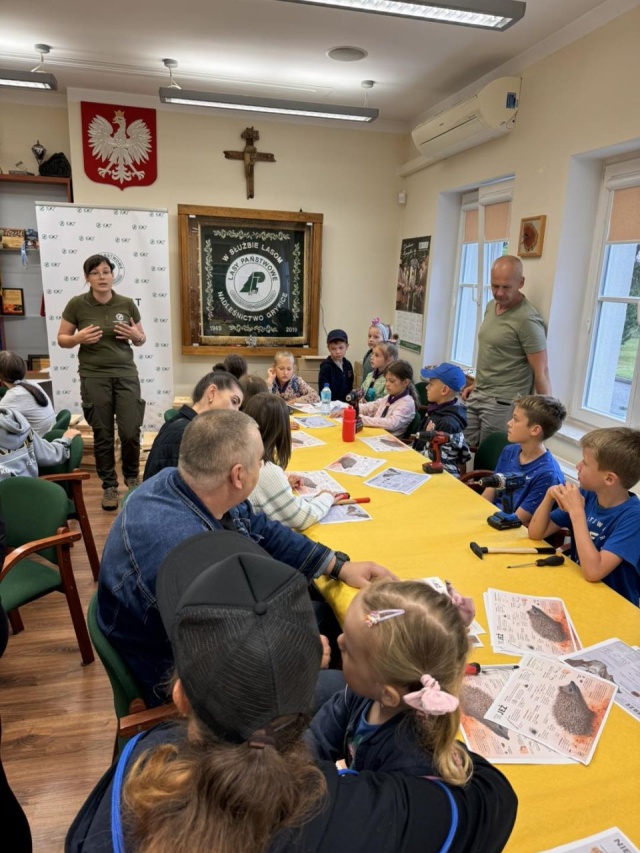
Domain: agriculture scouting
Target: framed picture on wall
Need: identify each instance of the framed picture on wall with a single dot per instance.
(250, 279)
(12, 302)
(531, 239)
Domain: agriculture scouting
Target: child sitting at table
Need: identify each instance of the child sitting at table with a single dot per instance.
(535, 418)
(373, 386)
(378, 332)
(282, 380)
(604, 517)
(446, 414)
(396, 411)
(404, 651)
(273, 493)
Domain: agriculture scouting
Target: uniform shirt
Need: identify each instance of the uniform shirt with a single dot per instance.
(110, 356)
(615, 529)
(539, 474)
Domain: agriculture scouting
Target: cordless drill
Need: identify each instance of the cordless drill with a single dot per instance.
(353, 399)
(505, 485)
(434, 438)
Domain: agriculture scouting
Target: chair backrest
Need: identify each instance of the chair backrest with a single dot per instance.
(489, 450)
(72, 462)
(123, 685)
(63, 419)
(53, 433)
(170, 414)
(421, 388)
(32, 509)
(414, 426)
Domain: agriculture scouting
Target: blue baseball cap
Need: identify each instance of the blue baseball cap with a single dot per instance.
(449, 374)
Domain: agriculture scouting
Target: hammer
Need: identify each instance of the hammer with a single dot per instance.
(479, 551)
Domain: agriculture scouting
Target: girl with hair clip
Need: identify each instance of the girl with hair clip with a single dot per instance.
(373, 386)
(396, 411)
(273, 494)
(404, 651)
(379, 332)
(282, 380)
(25, 397)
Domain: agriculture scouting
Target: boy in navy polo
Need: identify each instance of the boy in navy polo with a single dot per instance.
(336, 371)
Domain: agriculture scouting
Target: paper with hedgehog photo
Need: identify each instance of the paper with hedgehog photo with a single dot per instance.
(303, 439)
(315, 422)
(384, 443)
(492, 741)
(610, 841)
(358, 466)
(337, 406)
(345, 514)
(520, 624)
(616, 662)
(397, 480)
(556, 705)
(474, 629)
(313, 482)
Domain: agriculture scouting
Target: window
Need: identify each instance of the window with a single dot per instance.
(486, 212)
(608, 393)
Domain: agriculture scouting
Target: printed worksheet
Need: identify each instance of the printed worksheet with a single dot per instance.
(616, 662)
(495, 742)
(315, 422)
(358, 466)
(556, 705)
(313, 482)
(345, 514)
(610, 841)
(519, 624)
(303, 439)
(384, 443)
(337, 406)
(397, 480)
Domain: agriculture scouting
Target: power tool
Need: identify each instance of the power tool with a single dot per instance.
(434, 438)
(505, 485)
(353, 398)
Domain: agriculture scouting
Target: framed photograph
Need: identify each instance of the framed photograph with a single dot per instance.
(250, 280)
(531, 239)
(12, 302)
(38, 362)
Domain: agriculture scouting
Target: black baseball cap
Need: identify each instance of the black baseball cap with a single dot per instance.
(337, 335)
(244, 636)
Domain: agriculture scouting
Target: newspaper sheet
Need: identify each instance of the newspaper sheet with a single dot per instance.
(303, 439)
(519, 624)
(556, 705)
(358, 466)
(315, 422)
(495, 742)
(343, 514)
(397, 480)
(616, 662)
(384, 443)
(610, 841)
(313, 482)
(316, 408)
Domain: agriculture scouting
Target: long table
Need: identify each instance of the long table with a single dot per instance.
(428, 533)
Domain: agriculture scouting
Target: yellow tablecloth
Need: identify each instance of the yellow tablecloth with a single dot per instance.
(428, 533)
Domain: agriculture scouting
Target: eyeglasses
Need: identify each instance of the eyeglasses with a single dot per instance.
(97, 273)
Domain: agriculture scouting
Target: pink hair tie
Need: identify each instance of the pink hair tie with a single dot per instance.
(431, 701)
(375, 321)
(465, 606)
(377, 616)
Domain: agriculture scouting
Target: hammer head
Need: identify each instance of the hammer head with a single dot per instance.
(477, 550)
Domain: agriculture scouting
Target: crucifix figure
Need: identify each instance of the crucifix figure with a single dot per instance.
(250, 156)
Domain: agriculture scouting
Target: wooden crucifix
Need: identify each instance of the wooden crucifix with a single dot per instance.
(250, 156)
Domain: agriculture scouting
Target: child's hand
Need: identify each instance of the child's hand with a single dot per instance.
(295, 480)
(431, 425)
(271, 375)
(294, 425)
(570, 499)
(326, 652)
(336, 414)
(555, 493)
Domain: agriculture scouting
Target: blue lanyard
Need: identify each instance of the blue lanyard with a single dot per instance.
(117, 838)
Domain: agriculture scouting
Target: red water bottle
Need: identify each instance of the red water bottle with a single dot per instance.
(349, 425)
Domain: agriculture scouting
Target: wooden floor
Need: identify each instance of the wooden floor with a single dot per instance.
(58, 722)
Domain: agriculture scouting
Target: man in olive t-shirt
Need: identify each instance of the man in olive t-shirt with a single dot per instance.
(512, 354)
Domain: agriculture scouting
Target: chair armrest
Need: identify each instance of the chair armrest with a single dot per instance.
(475, 475)
(64, 536)
(70, 477)
(147, 719)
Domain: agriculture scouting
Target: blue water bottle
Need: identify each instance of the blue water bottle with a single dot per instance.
(325, 399)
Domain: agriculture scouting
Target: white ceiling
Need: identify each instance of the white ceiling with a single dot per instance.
(267, 47)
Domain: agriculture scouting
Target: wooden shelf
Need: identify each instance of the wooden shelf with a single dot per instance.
(38, 179)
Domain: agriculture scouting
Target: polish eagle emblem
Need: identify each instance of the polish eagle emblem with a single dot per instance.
(124, 150)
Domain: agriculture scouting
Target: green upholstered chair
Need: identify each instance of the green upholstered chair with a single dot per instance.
(63, 419)
(423, 402)
(413, 427)
(485, 459)
(35, 515)
(69, 476)
(170, 414)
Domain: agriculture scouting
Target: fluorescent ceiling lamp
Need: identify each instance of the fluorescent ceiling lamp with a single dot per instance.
(244, 103)
(27, 79)
(486, 14)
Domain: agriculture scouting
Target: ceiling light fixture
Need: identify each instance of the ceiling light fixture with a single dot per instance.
(38, 78)
(485, 14)
(246, 103)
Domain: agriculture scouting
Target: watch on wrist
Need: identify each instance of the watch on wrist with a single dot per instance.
(341, 559)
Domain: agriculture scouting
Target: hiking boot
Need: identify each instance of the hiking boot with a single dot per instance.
(132, 482)
(110, 499)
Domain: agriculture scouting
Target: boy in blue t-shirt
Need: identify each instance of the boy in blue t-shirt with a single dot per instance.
(535, 418)
(604, 517)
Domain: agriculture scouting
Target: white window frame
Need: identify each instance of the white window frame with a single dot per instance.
(615, 176)
(493, 193)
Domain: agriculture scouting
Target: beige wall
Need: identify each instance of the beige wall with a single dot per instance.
(22, 124)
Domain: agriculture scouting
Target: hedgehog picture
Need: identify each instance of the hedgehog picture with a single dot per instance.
(572, 712)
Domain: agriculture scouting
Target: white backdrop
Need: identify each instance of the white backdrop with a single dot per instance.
(136, 242)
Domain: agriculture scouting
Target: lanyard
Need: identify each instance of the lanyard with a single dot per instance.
(117, 838)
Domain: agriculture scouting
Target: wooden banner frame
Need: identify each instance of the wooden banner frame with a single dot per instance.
(249, 230)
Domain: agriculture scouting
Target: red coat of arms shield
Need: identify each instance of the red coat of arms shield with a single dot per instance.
(119, 145)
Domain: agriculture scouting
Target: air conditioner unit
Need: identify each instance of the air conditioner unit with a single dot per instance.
(486, 115)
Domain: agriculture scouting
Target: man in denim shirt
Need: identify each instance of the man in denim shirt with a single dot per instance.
(220, 460)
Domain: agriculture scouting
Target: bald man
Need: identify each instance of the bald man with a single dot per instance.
(512, 354)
